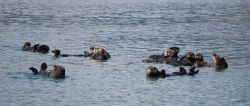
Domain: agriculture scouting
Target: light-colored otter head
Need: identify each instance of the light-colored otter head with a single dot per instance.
(152, 71)
(56, 52)
(220, 61)
(98, 53)
(172, 52)
(57, 72)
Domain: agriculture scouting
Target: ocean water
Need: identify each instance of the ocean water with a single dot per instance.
(130, 30)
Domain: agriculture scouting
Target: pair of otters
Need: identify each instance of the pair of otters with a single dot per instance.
(95, 53)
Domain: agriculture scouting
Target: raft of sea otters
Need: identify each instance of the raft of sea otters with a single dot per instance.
(170, 56)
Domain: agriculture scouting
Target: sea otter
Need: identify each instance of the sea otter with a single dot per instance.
(58, 54)
(97, 53)
(188, 59)
(36, 48)
(27, 46)
(169, 56)
(152, 71)
(43, 49)
(57, 72)
(220, 61)
(42, 71)
(200, 61)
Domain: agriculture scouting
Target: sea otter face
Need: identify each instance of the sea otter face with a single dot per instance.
(56, 52)
(97, 53)
(152, 71)
(57, 72)
(219, 60)
(94, 50)
(172, 52)
(169, 53)
(91, 51)
(190, 55)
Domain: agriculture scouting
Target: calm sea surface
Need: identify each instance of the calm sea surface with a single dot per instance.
(130, 30)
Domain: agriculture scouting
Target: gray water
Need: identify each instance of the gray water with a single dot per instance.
(130, 30)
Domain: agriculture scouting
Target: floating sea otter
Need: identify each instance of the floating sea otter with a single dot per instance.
(36, 48)
(220, 61)
(169, 56)
(152, 71)
(57, 72)
(200, 61)
(188, 59)
(97, 53)
(58, 54)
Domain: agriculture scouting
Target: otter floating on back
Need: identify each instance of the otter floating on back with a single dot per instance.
(220, 61)
(152, 71)
(36, 48)
(169, 56)
(97, 53)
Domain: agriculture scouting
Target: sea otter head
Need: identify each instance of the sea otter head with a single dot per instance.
(43, 66)
(172, 52)
(152, 71)
(56, 52)
(190, 56)
(220, 61)
(97, 53)
(27, 44)
(35, 48)
(57, 72)
(91, 51)
(200, 61)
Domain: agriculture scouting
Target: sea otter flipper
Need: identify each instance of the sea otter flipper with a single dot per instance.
(196, 72)
(34, 70)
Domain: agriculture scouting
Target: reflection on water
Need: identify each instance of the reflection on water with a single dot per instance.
(130, 31)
